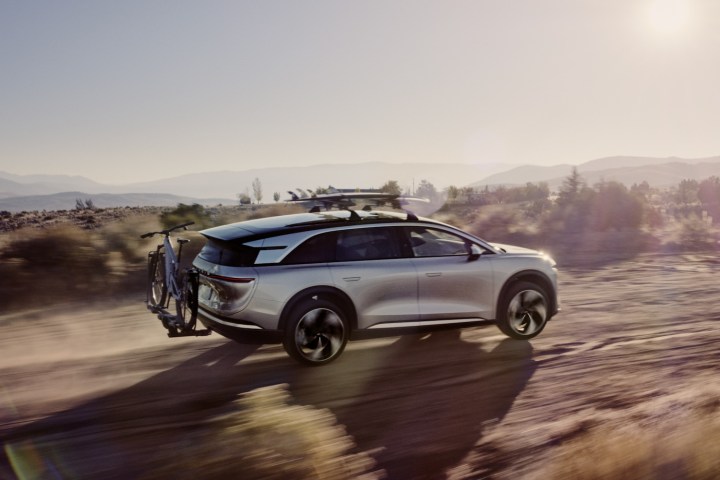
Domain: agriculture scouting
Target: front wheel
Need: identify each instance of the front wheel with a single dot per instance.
(316, 332)
(523, 311)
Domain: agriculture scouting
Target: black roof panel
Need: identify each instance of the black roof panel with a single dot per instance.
(270, 226)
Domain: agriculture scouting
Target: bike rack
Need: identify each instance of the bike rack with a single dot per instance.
(175, 328)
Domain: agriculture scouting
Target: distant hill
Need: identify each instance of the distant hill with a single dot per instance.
(364, 175)
(66, 201)
(658, 172)
(59, 192)
(227, 184)
(22, 185)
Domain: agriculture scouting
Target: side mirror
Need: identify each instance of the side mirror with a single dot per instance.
(474, 252)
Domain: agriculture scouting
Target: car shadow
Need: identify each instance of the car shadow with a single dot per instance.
(420, 404)
(423, 420)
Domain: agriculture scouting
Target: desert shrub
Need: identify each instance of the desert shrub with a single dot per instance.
(690, 452)
(614, 207)
(186, 213)
(271, 211)
(124, 237)
(62, 248)
(696, 233)
(501, 223)
(52, 264)
(68, 262)
(268, 438)
(227, 215)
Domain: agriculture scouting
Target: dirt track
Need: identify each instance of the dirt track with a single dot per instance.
(103, 393)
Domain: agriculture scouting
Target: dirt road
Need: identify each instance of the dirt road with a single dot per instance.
(101, 393)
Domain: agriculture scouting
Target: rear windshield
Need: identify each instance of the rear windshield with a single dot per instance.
(228, 254)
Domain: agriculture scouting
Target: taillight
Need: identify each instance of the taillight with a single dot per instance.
(231, 279)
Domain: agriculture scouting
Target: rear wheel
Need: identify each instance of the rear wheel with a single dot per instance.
(316, 332)
(187, 304)
(156, 288)
(523, 311)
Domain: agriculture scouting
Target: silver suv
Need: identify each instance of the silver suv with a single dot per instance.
(311, 279)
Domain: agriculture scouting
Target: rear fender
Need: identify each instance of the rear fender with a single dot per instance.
(326, 292)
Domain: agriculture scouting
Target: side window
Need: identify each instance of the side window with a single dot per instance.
(367, 244)
(317, 249)
(429, 242)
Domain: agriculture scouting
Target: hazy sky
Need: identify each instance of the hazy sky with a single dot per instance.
(139, 90)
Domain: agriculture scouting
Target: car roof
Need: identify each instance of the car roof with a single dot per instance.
(278, 225)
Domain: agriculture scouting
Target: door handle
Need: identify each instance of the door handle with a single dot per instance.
(434, 274)
(351, 279)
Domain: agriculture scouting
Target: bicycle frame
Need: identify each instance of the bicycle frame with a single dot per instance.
(172, 264)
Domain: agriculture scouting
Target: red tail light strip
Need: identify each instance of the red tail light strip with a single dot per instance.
(231, 279)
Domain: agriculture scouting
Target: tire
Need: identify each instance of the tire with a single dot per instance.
(316, 332)
(187, 305)
(523, 311)
(156, 288)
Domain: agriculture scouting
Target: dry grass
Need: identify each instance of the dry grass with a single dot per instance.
(269, 438)
(690, 451)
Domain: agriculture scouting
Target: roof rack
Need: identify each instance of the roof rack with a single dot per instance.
(354, 217)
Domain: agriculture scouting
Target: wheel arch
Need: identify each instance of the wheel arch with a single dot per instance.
(326, 292)
(532, 276)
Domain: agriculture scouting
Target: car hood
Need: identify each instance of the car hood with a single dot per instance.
(515, 249)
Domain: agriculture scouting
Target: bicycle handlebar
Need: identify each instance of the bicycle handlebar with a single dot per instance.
(167, 231)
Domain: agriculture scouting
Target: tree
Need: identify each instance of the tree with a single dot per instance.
(452, 193)
(570, 188)
(709, 191)
(426, 190)
(615, 207)
(642, 189)
(257, 190)
(391, 187)
(687, 192)
(276, 197)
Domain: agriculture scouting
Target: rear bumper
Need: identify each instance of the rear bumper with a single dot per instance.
(242, 332)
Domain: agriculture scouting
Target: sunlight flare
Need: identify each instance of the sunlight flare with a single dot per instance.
(670, 17)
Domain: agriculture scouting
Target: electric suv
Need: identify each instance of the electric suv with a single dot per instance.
(310, 280)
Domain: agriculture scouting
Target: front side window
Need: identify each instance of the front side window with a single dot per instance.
(367, 244)
(431, 242)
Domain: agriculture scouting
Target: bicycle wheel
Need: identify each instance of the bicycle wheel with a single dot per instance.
(187, 304)
(156, 287)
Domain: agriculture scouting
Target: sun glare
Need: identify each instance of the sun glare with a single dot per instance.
(669, 17)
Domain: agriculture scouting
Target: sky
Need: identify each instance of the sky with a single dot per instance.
(141, 90)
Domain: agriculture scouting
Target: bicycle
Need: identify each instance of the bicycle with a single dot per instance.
(166, 281)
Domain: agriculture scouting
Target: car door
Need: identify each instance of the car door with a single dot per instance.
(371, 269)
(455, 279)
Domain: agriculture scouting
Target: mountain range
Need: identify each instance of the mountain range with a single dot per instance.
(658, 172)
(58, 192)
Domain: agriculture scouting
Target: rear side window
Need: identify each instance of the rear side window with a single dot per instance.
(367, 244)
(318, 249)
(228, 254)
